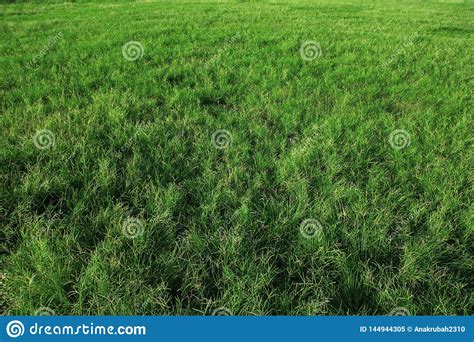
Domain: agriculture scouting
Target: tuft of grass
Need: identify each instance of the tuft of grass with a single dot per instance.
(220, 170)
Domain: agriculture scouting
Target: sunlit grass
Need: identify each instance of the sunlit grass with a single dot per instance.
(133, 209)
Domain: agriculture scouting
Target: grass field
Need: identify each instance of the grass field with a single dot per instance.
(237, 157)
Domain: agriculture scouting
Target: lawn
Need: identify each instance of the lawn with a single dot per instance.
(237, 157)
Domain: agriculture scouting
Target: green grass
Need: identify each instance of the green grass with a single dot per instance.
(220, 228)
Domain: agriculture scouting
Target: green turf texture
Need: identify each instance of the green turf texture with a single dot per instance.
(133, 142)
